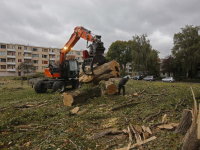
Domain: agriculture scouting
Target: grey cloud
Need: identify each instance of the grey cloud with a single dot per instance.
(51, 22)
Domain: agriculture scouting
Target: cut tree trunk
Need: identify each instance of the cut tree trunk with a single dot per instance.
(80, 95)
(191, 140)
(108, 87)
(185, 122)
(103, 72)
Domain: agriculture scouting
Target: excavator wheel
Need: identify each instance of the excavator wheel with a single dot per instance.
(39, 87)
(58, 85)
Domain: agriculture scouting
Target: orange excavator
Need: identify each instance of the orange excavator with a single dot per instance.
(67, 73)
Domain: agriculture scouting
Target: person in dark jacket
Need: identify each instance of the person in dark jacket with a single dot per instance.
(121, 84)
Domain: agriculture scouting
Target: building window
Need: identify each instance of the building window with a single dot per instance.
(2, 66)
(52, 62)
(58, 57)
(25, 48)
(58, 51)
(19, 47)
(35, 49)
(27, 55)
(36, 67)
(163, 73)
(35, 55)
(35, 61)
(3, 53)
(70, 52)
(19, 53)
(44, 62)
(12, 54)
(19, 60)
(27, 61)
(77, 53)
(77, 58)
(43, 67)
(53, 51)
(52, 56)
(44, 50)
(3, 46)
(2, 60)
(44, 56)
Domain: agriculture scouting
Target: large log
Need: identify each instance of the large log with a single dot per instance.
(80, 95)
(103, 72)
(108, 87)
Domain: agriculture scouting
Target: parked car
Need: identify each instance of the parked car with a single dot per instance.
(136, 77)
(149, 78)
(168, 79)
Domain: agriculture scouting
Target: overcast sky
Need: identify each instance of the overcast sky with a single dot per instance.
(50, 23)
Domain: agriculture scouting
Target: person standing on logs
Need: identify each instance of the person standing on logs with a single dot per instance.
(121, 84)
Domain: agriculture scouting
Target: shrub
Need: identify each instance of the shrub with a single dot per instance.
(36, 75)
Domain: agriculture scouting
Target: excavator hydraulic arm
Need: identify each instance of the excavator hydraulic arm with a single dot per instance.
(96, 49)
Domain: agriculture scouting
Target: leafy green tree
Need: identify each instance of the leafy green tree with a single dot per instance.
(186, 49)
(144, 58)
(152, 62)
(168, 64)
(120, 52)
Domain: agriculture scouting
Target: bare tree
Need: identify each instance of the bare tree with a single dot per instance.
(26, 67)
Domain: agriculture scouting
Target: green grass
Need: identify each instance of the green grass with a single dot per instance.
(52, 125)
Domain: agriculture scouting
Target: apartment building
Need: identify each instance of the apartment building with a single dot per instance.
(11, 55)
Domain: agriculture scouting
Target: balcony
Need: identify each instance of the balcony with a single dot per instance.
(27, 51)
(11, 56)
(11, 50)
(52, 53)
(11, 63)
(27, 57)
(52, 58)
(11, 69)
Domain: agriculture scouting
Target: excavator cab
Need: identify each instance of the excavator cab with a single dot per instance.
(70, 69)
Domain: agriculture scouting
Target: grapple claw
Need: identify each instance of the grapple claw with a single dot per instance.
(91, 61)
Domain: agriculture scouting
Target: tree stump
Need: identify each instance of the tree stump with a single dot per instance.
(80, 95)
(191, 140)
(185, 122)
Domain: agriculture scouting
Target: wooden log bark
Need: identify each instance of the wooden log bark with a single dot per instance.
(80, 95)
(185, 122)
(108, 87)
(191, 140)
(106, 76)
(103, 72)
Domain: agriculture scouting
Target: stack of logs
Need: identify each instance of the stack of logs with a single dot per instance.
(102, 74)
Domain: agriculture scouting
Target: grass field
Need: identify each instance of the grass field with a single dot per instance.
(40, 121)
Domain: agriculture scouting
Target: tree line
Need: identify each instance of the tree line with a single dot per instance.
(184, 59)
(138, 52)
